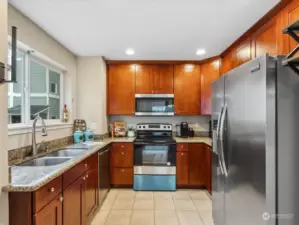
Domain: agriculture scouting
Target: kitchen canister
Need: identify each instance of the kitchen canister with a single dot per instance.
(78, 136)
(88, 135)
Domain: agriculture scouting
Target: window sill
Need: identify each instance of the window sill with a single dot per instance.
(16, 129)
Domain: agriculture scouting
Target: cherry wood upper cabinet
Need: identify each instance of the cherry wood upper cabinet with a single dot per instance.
(243, 53)
(144, 80)
(265, 40)
(50, 214)
(209, 73)
(163, 79)
(121, 89)
(187, 89)
(154, 79)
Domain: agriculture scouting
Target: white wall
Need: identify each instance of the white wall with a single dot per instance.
(3, 117)
(33, 36)
(91, 92)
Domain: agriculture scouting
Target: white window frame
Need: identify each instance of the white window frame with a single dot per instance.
(26, 122)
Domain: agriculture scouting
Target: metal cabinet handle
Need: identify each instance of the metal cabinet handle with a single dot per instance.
(61, 199)
(122, 153)
(122, 171)
(86, 165)
(182, 154)
(122, 146)
(52, 189)
(86, 176)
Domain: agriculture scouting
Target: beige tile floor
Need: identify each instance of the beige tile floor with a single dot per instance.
(183, 207)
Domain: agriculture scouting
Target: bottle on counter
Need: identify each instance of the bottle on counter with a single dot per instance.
(65, 114)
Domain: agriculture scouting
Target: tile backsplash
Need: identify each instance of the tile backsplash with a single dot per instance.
(198, 123)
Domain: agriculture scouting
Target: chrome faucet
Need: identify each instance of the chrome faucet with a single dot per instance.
(36, 146)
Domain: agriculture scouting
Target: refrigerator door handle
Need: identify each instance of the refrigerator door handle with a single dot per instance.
(221, 153)
(218, 141)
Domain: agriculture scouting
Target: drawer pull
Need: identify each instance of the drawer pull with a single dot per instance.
(86, 165)
(122, 171)
(182, 153)
(122, 146)
(52, 189)
(86, 176)
(122, 153)
(61, 199)
(182, 146)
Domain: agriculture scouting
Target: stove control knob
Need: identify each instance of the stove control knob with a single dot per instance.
(144, 127)
(164, 127)
(168, 127)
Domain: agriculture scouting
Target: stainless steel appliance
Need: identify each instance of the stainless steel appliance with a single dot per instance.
(154, 158)
(104, 174)
(184, 129)
(255, 127)
(154, 104)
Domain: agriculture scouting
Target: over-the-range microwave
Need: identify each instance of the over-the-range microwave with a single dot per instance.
(154, 104)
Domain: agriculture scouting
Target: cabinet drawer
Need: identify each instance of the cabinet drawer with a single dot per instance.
(122, 155)
(47, 193)
(182, 147)
(74, 173)
(122, 176)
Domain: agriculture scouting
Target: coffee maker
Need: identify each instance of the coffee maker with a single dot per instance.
(184, 130)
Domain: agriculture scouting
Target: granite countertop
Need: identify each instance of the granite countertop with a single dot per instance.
(31, 178)
(205, 140)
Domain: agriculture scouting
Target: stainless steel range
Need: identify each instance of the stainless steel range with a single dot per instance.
(154, 158)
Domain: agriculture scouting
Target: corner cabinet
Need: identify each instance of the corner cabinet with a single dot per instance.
(209, 73)
(187, 89)
(121, 89)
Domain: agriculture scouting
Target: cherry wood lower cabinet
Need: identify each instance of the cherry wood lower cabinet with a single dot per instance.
(194, 165)
(182, 175)
(51, 214)
(69, 199)
(121, 164)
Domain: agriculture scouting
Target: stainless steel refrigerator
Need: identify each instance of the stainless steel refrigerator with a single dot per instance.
(255, 117)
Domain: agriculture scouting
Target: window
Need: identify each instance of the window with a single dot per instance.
(37, 91)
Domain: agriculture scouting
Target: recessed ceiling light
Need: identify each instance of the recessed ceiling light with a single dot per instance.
(200, 52)
(130, 51)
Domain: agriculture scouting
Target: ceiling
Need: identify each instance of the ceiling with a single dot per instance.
(155, 29)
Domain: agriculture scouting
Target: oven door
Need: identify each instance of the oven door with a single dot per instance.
(154, 104)
(155, 154)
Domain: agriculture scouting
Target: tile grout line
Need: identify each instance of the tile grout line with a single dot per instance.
(132, 208)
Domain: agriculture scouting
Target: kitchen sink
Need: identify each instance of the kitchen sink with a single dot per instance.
(46, 161)
(66, 153)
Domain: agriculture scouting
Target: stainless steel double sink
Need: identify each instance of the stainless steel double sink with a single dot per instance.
(56, 158)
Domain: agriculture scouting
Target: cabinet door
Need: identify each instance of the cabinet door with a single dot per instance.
(197, 164)
(209, 73)
(121, 155)
(163, 78)
(265, 40)
(73, 202)
(187, 90)
(51, 214)
(91, 191)
(144, 80)
(121, 89)
(182, 168)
